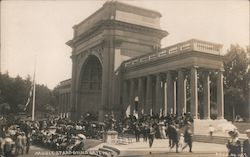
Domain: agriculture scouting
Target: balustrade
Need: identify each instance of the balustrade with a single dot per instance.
(190, 45)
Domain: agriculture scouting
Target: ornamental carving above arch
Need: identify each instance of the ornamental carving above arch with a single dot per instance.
(82, 57)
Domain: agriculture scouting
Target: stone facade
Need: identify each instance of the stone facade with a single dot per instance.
(64, 91)
(118, 66)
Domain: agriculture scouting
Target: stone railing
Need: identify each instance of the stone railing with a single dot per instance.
(190, 45)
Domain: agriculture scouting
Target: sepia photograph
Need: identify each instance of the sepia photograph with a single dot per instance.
(128, 78)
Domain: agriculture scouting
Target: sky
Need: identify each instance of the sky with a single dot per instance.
(38, 30)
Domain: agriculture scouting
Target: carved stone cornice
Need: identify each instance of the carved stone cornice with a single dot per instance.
(116, 25)
(113, 24)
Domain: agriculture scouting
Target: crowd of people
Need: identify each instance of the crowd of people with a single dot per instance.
(63, 134)
(14, 140)
(177, 129)
(235, 147)
(56, 134)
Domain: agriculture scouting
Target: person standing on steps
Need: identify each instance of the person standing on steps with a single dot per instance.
(211, 130)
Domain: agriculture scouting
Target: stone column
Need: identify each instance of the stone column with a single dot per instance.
(158, 92)
(185, 95)
(108, 78)
(194, 93)
(175, 105)
(132, 96)
(148, 105)
(62, 103)
(206, 95)
(220, 95)
(68, 100)
(125, 96)
(65, 104)
(143, 100)
(140, 95)
(165, 97)
(181, 93)
(170, 92)
(73, 98)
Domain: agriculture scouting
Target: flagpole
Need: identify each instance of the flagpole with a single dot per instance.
(34, 93)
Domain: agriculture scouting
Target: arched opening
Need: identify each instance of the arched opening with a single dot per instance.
(89, 99)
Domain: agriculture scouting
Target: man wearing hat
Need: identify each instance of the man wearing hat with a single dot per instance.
(188, 137)
(8, 146)
(246, 145)
(233, 144)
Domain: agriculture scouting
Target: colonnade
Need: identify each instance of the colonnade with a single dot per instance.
(64, 101)
(166, 92)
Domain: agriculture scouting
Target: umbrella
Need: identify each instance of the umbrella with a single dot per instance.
(81, 136)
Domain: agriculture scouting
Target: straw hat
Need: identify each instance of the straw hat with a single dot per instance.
(81, 136)
(161, 123)
(8, 140)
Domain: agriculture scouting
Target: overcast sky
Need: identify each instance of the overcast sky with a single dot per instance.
(41, 28)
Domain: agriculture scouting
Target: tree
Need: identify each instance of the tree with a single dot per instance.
(15, 92)
(236, 81)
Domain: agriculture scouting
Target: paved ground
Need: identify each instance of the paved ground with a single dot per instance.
(178, 155)
(160, 148)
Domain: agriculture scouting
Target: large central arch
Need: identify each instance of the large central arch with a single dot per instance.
(90, 86)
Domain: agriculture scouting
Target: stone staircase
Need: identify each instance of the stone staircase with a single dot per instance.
(213, 139)
(104, 150)
(107, 151)
(242, 127)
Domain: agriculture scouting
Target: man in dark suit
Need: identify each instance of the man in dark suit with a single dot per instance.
(188, 137)
(246, 145)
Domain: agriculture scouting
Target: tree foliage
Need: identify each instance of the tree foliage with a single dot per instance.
(15, 92)
(236, 80)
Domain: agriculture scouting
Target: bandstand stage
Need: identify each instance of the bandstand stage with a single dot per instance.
(119, 66)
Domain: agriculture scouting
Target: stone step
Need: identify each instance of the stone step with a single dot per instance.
(242, 127)
(112, 148)
(109, 151)
(213, 139)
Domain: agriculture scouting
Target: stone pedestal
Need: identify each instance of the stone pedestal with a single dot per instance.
(110, 137)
